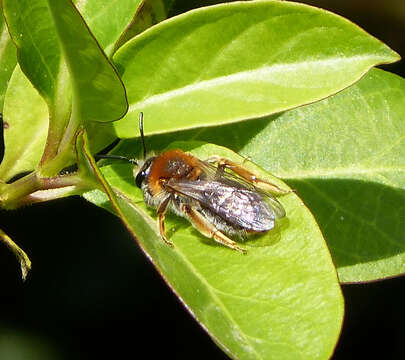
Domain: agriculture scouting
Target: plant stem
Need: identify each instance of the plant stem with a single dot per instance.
(16, 194)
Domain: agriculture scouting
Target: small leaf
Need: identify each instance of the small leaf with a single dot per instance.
(240, 60)
(25, 126)
(22, 257)
(281, 300)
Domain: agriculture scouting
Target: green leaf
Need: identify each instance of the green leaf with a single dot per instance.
(345, 157)
(108, 29)
(98, 92)
(25, 125)
(230, 62)
(38, 49)
(150, 12)
(39, 55)
(8, 58)
(281, 300)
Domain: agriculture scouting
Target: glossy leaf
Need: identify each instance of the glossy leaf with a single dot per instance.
(345, 157)
(230, 62)
(281, 300)
(25, 127)
(98, 92)
(8, 58)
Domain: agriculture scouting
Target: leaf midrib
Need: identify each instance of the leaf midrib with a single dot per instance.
(247, 75)
(213, 291)
(337, 172)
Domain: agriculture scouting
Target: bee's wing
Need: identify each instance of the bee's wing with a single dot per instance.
(235, 204)
(231, 179)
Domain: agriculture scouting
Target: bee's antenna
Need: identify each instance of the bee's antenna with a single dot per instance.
(142, 135)
(115, 157)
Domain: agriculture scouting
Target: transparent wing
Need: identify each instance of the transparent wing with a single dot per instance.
(231, 179)
(238, 205)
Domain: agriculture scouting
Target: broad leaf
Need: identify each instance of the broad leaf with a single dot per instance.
(8, 58)
(230, 62)
(41, 59)
(345, 157)
(25, 127)
(281, 300)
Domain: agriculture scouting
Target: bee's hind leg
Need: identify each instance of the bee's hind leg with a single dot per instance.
(161, 211)
(224, 163)
(209, 230)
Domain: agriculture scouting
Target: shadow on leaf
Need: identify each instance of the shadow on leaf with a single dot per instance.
(362, 222)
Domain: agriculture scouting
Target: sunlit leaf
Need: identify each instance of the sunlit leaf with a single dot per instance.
(281, 300)
(345, 157)
(25, 125)
(240, 60)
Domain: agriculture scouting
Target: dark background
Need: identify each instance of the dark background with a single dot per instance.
(92, 293)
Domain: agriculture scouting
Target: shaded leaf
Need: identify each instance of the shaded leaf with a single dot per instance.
(240, 60)
(281, 300)
(346, 157)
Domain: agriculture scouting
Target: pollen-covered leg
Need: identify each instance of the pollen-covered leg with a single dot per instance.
(161, 211)
(224, 163)
(208, 229)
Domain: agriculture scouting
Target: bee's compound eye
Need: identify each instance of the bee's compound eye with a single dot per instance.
(144, 172)
(140, 177)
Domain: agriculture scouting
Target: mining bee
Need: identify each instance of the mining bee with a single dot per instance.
(215, 201)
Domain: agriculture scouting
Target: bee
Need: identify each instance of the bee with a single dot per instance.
(220, 198)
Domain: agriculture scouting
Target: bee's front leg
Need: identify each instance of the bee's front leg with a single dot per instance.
(209, 230)
(161, 211)
(224, 163)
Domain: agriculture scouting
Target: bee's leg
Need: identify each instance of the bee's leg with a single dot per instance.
(161, 211)
(208, 229)
(224, 163)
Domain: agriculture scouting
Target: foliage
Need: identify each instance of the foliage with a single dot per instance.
(285, 85)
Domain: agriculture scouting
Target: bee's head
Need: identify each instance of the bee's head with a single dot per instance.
(144, 171)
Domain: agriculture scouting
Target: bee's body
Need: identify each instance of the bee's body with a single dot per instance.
(215, 202)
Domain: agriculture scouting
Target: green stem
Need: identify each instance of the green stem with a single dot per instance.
(16, 194)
